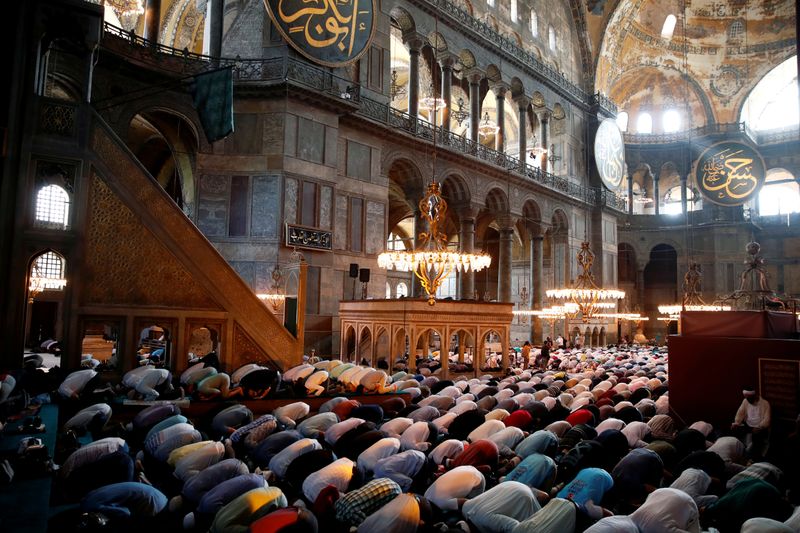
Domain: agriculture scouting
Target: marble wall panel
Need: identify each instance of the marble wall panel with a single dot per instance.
(311, 145)
(212, 205)
(266, 206)
(291, 134)
(375, 238)
(274, 134)
(246, 270)
(290, 201)
(340, 224)
(325, 207)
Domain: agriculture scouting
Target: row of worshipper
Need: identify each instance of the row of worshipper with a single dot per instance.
(594, 449)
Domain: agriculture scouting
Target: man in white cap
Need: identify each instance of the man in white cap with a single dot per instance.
(752, 421)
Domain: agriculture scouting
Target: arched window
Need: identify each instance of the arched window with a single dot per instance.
(514, 15)
(671, 121)
(52, 207)
(551, 38)
(773, 103)
(47, 272)
(395, 243)
(668, 27)
(644, 123)
(622, 121)
(402, 290)
(490, 3)
(780, 194)
(534, 24)
(672, 201)
(736, 30)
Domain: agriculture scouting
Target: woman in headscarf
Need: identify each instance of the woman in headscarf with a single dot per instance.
(636, 432)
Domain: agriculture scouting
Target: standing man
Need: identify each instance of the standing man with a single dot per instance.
(526, 355)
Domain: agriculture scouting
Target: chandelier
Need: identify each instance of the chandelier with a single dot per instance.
(127, 11)
(459, 115)
(587, 298)
(692, 301)
(395, 89)
(432, 103)
(275, 297)
(37, 283)
(432, 262)
(487, 126)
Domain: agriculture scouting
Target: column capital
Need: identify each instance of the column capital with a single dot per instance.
(473, 75)
(522, 102)
(446, 60)
(414, 41)
(500, 88)
(506, 223)
(543, 115)
(466, 212)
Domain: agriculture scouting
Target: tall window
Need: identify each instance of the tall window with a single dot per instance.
(773, 103)
(668, 27)
(551, 38)
(780, 194)
(402, 290)
(394, 242)
(644, 123)
(514, 15)
(622, 121)
(52, 207)
(490, 3)
(671, 120)
(534, 24)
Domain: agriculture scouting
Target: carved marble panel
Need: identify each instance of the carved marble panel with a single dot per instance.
(212, 205)
(266, 206)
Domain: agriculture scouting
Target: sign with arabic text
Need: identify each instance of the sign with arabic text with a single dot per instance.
(609, 154)
(333, 33)
(302, 237)
(730, 173)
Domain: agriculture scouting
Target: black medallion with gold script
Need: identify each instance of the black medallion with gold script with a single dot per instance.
(332, 33)
(609, 154)
(729, 173)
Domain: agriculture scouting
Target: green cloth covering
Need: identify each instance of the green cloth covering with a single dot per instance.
(213, 100)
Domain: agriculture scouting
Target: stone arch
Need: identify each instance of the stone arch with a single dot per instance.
(532, 217)
(537, 100)
(399, 341)
(517, 88)
(437, 42)
(349, 345)
(403, 19)
(455, 189)
(493, 74)
(167, 143)
(405, 188)
(595, 336)
(467, 59)
(365, 345)
(483, 358)
(182, 26)
(603, 340)
(466, 339)
(497, 201)
(560, 221)
(382, 345)
(424, 337)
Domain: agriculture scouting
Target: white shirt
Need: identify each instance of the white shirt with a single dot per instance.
(74, 383)
(501, 508)
(415, 437)
(383, 448)
(337, 430)
(338, 474)
(460, 482)
(199, 460)
(485, 430)
(396, 426)
(280, 461)
(400, 468)
(90, 453)
(446, 450)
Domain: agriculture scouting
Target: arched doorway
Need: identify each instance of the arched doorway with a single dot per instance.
(660, 285)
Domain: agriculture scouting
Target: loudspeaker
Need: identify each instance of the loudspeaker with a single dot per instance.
(353, 270)
(363, 275)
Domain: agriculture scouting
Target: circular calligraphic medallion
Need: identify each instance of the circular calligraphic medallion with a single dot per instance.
(333, 33)
(729, 173)
(609, 154)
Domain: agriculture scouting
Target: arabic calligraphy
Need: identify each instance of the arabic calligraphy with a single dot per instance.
(730, 173)
(609, 154)
(330, 32)
(298, 236)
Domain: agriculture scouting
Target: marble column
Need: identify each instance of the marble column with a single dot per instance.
(152, 20)
(684, 200)
(500, 90)
(466, 239)
(474, 79)
(414, 46)
(630, 194)
(504, 263)
(544, 121)
(446, 63)
(522, 103)
(656, 194)
(416, 290)
(537, 288)
(215, 22)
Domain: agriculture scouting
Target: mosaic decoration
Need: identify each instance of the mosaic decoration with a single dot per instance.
(333, 33)
(727, 82)
(730, 173)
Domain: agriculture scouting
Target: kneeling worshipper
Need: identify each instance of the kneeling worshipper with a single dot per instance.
(500, 508)
(667, 511)
(239, 514)
(125, 500)
(452, 489)
(286, 520)
(354, 507)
